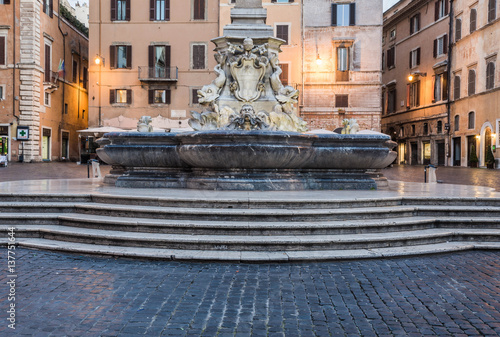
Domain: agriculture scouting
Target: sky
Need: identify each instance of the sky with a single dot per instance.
(387, 4)
(73, 2)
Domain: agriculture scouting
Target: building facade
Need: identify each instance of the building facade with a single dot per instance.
(475, 78)
(341, 70)
(43, 79)
(416, 80)
(153, 59)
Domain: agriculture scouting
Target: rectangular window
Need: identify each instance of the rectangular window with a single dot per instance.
(391, 57)
(415, 23)
(282, 32)
(75, 71)
(1, 93)
(85, 77)
(456, 88)
(414, 58)
(159, 96)
(120, 57)
(3, 53)
(458, 29)
(46, 100)
(441, 9)
(194, 96)
(120, 10)
(48, 67)
(344, 15)
(198, 56)
(159, 61)
(4, 2)
(473, 19)
(342, 101)
(492, 10)
(413, 99)
(48, 7)
(120, 96)
(440, 87)
(65, 108)
(342, 59)
(284, 73)
(440, 46)
(391, 100)
(471, 120)
(159, 10)
(199, 9)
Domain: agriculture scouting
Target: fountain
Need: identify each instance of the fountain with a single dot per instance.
(248, 135)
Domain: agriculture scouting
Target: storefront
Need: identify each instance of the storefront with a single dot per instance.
(5, 141)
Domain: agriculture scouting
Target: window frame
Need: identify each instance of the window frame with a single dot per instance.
(114, 11)
(193, 96)
(415, 24)
(152, 96)
(472, 23)
(199, 7)
(391, 57)
(458, 29)
(492, 10)
(391, 99)
(414, 58)
(47, 61)
(456, 123)
(471, 120)
(471, 82)
(413, 99)
(277, 33)
(192, 61)
(2, 92)
(351, 15)
(490, 75)
(113, 96)
(114, 53)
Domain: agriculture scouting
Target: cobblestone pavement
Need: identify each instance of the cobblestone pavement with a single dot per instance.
(70, 295)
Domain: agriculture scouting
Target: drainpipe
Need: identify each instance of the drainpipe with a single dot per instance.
(64, 54)
(303, 53)
(448, 89)
(14, 61)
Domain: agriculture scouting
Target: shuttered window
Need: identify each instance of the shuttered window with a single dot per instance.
(414, 58)
(199, 9)
(344, 14)
(48, 7)
(490, 75)
(159, 61)
(120, 10)
(458, 29)
(194, 96)
(123, 96)
(471, 90)
(199, 56)
(282, 32)
(75, 71)
(341, 101)
(492, 10)
(3, 60)
(120, 57)
(159, 96)
(159, 10)
(440, 9)
(48, 68)
(456, 88)
(473, 20)
(415, 23)
(284, 73)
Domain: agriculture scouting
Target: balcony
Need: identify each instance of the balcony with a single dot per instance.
(158, 74)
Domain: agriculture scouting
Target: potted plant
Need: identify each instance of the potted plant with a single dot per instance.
(473, 160)
(490, 158)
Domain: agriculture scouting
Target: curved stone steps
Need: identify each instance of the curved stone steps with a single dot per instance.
(250, 256)
(258, 242)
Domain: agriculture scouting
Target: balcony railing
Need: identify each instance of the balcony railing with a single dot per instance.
(160, 74)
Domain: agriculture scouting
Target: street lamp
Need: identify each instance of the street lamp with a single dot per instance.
(99, 60)
(318, 60)
(415, 74)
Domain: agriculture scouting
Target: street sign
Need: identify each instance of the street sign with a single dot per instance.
(23, 133)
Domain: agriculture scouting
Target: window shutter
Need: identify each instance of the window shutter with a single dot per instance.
(51, 8)
(127, 11)
(418, 56)
(151, 10)
(436, 10)
(456, 92)
(2, 50)
(445, 86)
(112, 98)
(408, 96)
(418, 22)
(473, 17)
(458, 29)
(129, 57)
(492, 10)
(6, 2)
(168, 96)
(151, 56)
(167, 10)
(411, 63)
(47, 64)
(472, 82)
(334, 14)
(273, 0)
(412, 20)
(199, 10)
(199, 57)
(446, 7)
(445, 44)
(417, 100)
(352, 14)
(194, 96)
(151, 96)
(434, 52)
(129, 96)
(112, 57)
(113, 10)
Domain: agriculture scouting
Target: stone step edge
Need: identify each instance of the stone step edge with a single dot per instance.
(248, 256)
(97, 234)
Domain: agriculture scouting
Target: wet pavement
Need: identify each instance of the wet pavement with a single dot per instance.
(69, 295)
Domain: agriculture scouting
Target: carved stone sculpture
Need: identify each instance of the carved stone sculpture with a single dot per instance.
(144, 124)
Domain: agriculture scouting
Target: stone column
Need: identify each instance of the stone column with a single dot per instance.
(248, 19)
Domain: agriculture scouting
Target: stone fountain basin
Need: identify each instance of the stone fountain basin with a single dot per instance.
(252, 159)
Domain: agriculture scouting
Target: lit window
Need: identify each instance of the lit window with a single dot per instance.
(160, 10)
(121, 96)
(121, 10)
(342, 59)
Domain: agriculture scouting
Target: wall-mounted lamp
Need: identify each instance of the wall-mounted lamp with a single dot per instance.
(416, 74)
(478, 137)
(99, 60)
(318, 60)
(493, 135)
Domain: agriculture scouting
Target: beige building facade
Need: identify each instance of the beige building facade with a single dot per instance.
(416, 107)
(342, 63)
(154, 56)
(475, 80)
(43, 77)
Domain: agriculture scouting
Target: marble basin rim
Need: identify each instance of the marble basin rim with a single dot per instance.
(225, 149)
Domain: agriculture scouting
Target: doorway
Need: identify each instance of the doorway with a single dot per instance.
(414, 154)
(457, 151)
(65, 145)
(426, 147)
(46, 135)
(441, 153)
(471, 148)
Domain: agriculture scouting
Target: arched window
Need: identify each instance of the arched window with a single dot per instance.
(457, 122)
(472, 119)
(490, 75)
(472, 82)
(456, 88)
(492, 10)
